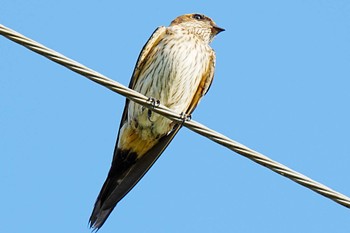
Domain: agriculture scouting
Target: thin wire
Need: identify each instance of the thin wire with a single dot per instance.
(192, 125)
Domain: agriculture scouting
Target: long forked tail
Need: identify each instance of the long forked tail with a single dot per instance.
(126, 170)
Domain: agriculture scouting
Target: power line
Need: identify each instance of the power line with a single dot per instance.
(192, 125)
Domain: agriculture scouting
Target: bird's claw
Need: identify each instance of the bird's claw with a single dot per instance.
(155, 103)
(185, 117)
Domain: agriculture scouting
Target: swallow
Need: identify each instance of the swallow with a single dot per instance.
(176, 68)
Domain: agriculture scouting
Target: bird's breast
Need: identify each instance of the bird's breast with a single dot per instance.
(171, 74)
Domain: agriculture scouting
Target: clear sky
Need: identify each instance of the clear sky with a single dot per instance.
(281, 87)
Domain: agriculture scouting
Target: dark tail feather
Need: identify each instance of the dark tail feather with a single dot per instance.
(99, 215)
(114, 188)
(124, 174)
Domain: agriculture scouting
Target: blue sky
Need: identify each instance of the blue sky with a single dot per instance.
(281, 87)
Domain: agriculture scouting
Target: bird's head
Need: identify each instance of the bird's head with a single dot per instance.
(198, 24)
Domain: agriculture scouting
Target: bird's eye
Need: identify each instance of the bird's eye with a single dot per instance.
(197, 16)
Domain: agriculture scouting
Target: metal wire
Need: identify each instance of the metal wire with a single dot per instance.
(192, 125)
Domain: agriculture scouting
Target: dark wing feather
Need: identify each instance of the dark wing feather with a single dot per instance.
(112, 191)
(129, 179)
(204, 85)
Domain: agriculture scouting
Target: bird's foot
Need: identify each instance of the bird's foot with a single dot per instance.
(185, 117)
(155, 103)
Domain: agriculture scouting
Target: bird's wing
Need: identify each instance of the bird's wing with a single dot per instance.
(141, 60)
(112, 191)
(204, 85)
(121, 180)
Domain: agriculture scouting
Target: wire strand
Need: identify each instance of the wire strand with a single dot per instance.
(192, 125)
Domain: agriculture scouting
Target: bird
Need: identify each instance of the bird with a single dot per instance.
(175, 68)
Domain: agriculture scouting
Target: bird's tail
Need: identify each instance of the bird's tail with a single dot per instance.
(126, 170)
(118, 183)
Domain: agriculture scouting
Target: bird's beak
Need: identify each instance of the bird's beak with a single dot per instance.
(217, 29)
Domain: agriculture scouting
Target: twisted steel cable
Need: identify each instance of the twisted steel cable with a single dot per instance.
(190, 124)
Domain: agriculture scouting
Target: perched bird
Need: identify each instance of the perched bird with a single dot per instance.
(175, 67)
